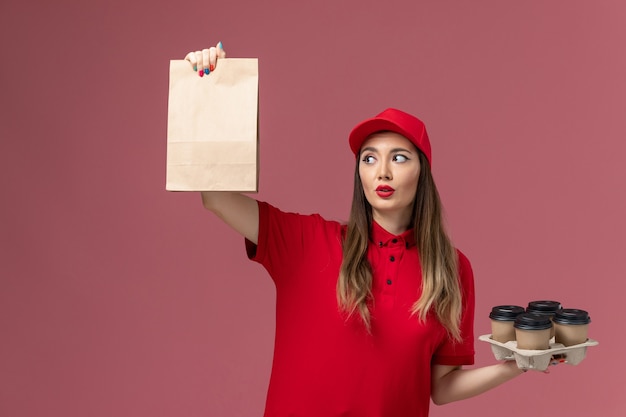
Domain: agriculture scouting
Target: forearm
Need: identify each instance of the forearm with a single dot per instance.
(460, 384)
(236, 210)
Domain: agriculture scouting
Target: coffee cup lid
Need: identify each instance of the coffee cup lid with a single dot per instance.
(572, 316)
(505, 312)
(543, 307)
(531, 321)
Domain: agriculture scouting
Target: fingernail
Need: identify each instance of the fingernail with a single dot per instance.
(212, 67)
(201, 73)
(207, 71)
(195, 68)
(219, 45)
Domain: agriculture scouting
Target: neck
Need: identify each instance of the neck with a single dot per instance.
(396, 223)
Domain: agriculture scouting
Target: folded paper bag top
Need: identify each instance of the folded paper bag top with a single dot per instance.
(212, 127)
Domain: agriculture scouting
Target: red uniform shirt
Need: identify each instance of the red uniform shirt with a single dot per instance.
(326, 366)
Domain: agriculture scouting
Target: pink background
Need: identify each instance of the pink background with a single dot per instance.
(118, 298)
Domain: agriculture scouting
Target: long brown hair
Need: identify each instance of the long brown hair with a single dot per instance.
(441, 291)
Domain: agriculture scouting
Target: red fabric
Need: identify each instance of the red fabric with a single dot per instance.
(327, 366)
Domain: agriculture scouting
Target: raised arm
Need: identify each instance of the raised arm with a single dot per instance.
(236, 210)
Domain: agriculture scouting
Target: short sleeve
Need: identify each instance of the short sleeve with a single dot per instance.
(289, 243)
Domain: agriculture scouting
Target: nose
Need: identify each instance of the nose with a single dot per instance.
(384, 173)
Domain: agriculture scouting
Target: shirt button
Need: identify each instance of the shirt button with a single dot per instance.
(394, 241)
(380, 244)
(392, 258)
(388, 282)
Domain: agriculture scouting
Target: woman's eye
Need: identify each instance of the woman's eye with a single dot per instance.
(400, 158)
(368, 159)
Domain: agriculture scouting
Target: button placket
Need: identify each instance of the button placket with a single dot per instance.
(393, 255)
(389, 253)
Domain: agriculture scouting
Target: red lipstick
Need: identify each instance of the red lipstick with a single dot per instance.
(384, 191)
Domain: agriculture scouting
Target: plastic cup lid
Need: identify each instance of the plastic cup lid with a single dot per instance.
(572, 316)
(531, 321)
(505, 312)
(543, 307)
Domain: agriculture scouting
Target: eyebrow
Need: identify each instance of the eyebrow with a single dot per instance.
(373, 149)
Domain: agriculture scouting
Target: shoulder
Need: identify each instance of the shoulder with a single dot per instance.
(272, 214)
(464, 262)
(466, 273)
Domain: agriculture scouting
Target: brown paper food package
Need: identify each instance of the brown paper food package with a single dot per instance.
(212, 127)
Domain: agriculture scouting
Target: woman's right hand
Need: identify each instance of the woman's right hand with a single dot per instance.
(205, 61)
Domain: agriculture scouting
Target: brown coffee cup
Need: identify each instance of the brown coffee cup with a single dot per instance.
(532, 331)
(571, 326)
(502, 319)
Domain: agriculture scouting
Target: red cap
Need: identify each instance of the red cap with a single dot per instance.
(396, 121)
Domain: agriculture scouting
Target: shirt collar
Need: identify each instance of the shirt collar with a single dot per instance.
(380, 237)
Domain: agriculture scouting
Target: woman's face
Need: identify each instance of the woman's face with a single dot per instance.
(389, 168)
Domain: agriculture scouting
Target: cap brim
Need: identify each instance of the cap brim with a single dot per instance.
(368, 127)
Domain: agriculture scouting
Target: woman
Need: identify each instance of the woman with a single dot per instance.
(375, 317)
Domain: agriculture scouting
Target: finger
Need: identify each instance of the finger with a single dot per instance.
(221, 53)
(205, 61)
(191, 57)
(200, 63)
(212, 58)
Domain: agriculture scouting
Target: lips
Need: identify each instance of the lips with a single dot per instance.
(384, 191)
